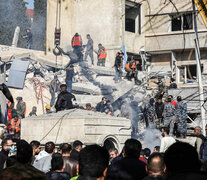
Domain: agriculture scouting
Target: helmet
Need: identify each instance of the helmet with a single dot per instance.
(48, 107)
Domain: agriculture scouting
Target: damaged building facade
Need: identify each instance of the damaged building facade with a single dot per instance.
(163, 29)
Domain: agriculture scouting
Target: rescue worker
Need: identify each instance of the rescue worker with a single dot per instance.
(34, 111)
(150, 113)
(169, 115)
(118, 67)
(48, 109)
(159, 108)
(161, 88)
(89, 49)
(64, 100)
(135, 66)
(181, 113)
(15, 125)
(101, 55)
(128, 70)
(54, 87)
(21, 107)
(28, 37)
(77, 46)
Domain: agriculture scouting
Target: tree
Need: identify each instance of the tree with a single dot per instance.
(39, 26)
(12, 14)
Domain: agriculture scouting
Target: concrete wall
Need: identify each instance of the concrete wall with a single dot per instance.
(87, 126)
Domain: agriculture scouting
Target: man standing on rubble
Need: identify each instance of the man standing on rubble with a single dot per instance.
(77, 46)
(182, 115)
(21, 107)
(28, 36)
(150, 113)
(101, 55)
(64, 100)
(69, 77)
(169, 115)
(118, 67)
(89, 49)
(54, 87)
(161, 88)
(100, 107)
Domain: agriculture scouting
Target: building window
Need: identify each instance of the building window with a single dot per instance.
(133, 17)
(181, 22)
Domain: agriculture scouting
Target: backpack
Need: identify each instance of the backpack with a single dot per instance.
(203, 149)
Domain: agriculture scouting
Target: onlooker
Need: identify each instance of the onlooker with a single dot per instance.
(28, 37)
(172, 100)
(34, 111)
(166, 141)
(56, 172)
(156, 149)
(181, 112)
(155, 167)
(36, 149)
(199, 139)
(54, 87)
(64, 100)
(159, 109)
(113, 153)
(182, 163)
(20, 107)
(77, 146)
(93, 163)
(142, 156)
(129, 167)
(22, 169)
(147, 152)
(100, 107)
(70, 165)
(43, 159)
(169, 115)
(6, 145)
(11, 161)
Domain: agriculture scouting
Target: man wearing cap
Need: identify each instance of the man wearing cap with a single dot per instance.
(21, 107)
(48, 109)
(89, 49)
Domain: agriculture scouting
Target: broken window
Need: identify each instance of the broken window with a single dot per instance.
(181, 22)
(133, 17)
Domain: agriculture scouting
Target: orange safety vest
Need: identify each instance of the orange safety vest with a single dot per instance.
(16, 126)
(77, 41)
(127, 66)
(102, 55)
(25, 107)
(133, 66)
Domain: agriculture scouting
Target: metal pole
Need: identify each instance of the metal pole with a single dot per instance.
(200, 85)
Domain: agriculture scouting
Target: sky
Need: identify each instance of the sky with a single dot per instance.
(31, 4)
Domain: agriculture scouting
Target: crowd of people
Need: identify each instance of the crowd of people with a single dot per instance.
(179, 161)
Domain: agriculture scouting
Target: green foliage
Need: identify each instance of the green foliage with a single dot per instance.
(12, 14)
(39, 26)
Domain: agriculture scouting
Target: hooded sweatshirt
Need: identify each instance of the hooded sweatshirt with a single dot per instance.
(43, 162)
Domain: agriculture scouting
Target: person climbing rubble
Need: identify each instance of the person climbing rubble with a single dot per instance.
(54, 87)
(69, 77)
(64, 100)
(101, 55)
(89, 49)
(21, 107)
(77, 46)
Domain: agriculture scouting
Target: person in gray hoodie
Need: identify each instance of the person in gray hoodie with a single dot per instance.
(43, 159)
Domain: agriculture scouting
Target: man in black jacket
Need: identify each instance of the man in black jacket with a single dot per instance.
(64, 100)
(159, 109)
(118, 67)
(129, 167)
(6, 146)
